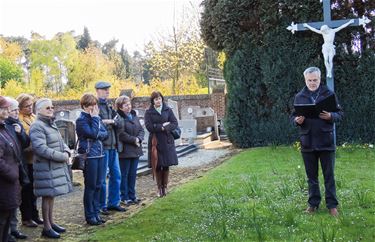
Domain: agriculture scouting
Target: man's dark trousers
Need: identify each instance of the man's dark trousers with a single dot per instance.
(327, 161)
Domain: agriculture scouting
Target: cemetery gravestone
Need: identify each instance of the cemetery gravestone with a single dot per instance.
(64, 114)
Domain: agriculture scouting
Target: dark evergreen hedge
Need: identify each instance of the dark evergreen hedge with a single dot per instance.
(265, 64)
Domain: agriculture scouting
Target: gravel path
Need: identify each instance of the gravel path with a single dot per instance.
(68, 209)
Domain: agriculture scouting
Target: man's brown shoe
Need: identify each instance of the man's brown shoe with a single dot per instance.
(311, 210)
(29, 223)
(333, 212)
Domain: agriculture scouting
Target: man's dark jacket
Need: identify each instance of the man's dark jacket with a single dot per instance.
(316, 134)
(106, 112)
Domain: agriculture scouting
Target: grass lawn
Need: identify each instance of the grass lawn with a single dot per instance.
(259, 195)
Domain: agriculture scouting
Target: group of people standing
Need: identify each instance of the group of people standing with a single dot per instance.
(34, 158)
(33, 163)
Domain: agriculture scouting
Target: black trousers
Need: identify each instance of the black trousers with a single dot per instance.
(28, 205)
(5, 216)
(13, 221)
(327, 161)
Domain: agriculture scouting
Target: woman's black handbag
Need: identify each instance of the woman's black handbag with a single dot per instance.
(78, 160)
(176, 133)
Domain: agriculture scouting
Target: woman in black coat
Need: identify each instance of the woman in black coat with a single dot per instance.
(130, 135)
(15, 126)
(10, 188)
(160, 121)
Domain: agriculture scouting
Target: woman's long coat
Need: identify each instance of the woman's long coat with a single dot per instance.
(10, 161)
(166, 149)
(51, 175)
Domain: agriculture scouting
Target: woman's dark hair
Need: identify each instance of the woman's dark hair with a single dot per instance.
(154, 95)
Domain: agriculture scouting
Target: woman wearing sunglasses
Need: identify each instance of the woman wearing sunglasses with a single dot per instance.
(51, 175)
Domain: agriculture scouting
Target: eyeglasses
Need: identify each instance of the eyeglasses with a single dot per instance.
(50, 108)
(28, 106)
(14, 110)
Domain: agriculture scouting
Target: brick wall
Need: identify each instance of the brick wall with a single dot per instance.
(215, 100)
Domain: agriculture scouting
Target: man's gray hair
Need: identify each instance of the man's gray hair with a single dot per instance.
(312, 69)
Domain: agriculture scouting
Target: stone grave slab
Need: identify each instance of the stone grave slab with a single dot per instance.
(188, 128)
(174, 105)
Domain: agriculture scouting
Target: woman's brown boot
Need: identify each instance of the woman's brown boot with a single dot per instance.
(159, 183)
(165, 182)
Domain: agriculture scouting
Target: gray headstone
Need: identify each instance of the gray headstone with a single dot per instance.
(140, 112)
(63, 114)
(74, 114)
(174, 105)
(188, 128)
(67, 131)
(204, 112)
(189, 112)
(127, 92)
(145, 145)
(216, 127)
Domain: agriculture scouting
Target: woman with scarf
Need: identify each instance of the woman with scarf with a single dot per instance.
(130, 135)
(29, 212)
(160, 121)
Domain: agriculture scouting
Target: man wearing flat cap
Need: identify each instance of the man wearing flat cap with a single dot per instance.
(111, 160)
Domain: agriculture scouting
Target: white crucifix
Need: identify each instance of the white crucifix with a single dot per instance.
(328, 28)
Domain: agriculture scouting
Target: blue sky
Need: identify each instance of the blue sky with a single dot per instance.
(133, 22)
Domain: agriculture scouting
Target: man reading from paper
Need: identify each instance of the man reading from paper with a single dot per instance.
(317, 141)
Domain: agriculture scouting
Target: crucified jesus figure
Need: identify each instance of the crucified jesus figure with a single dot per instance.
(328, 48)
